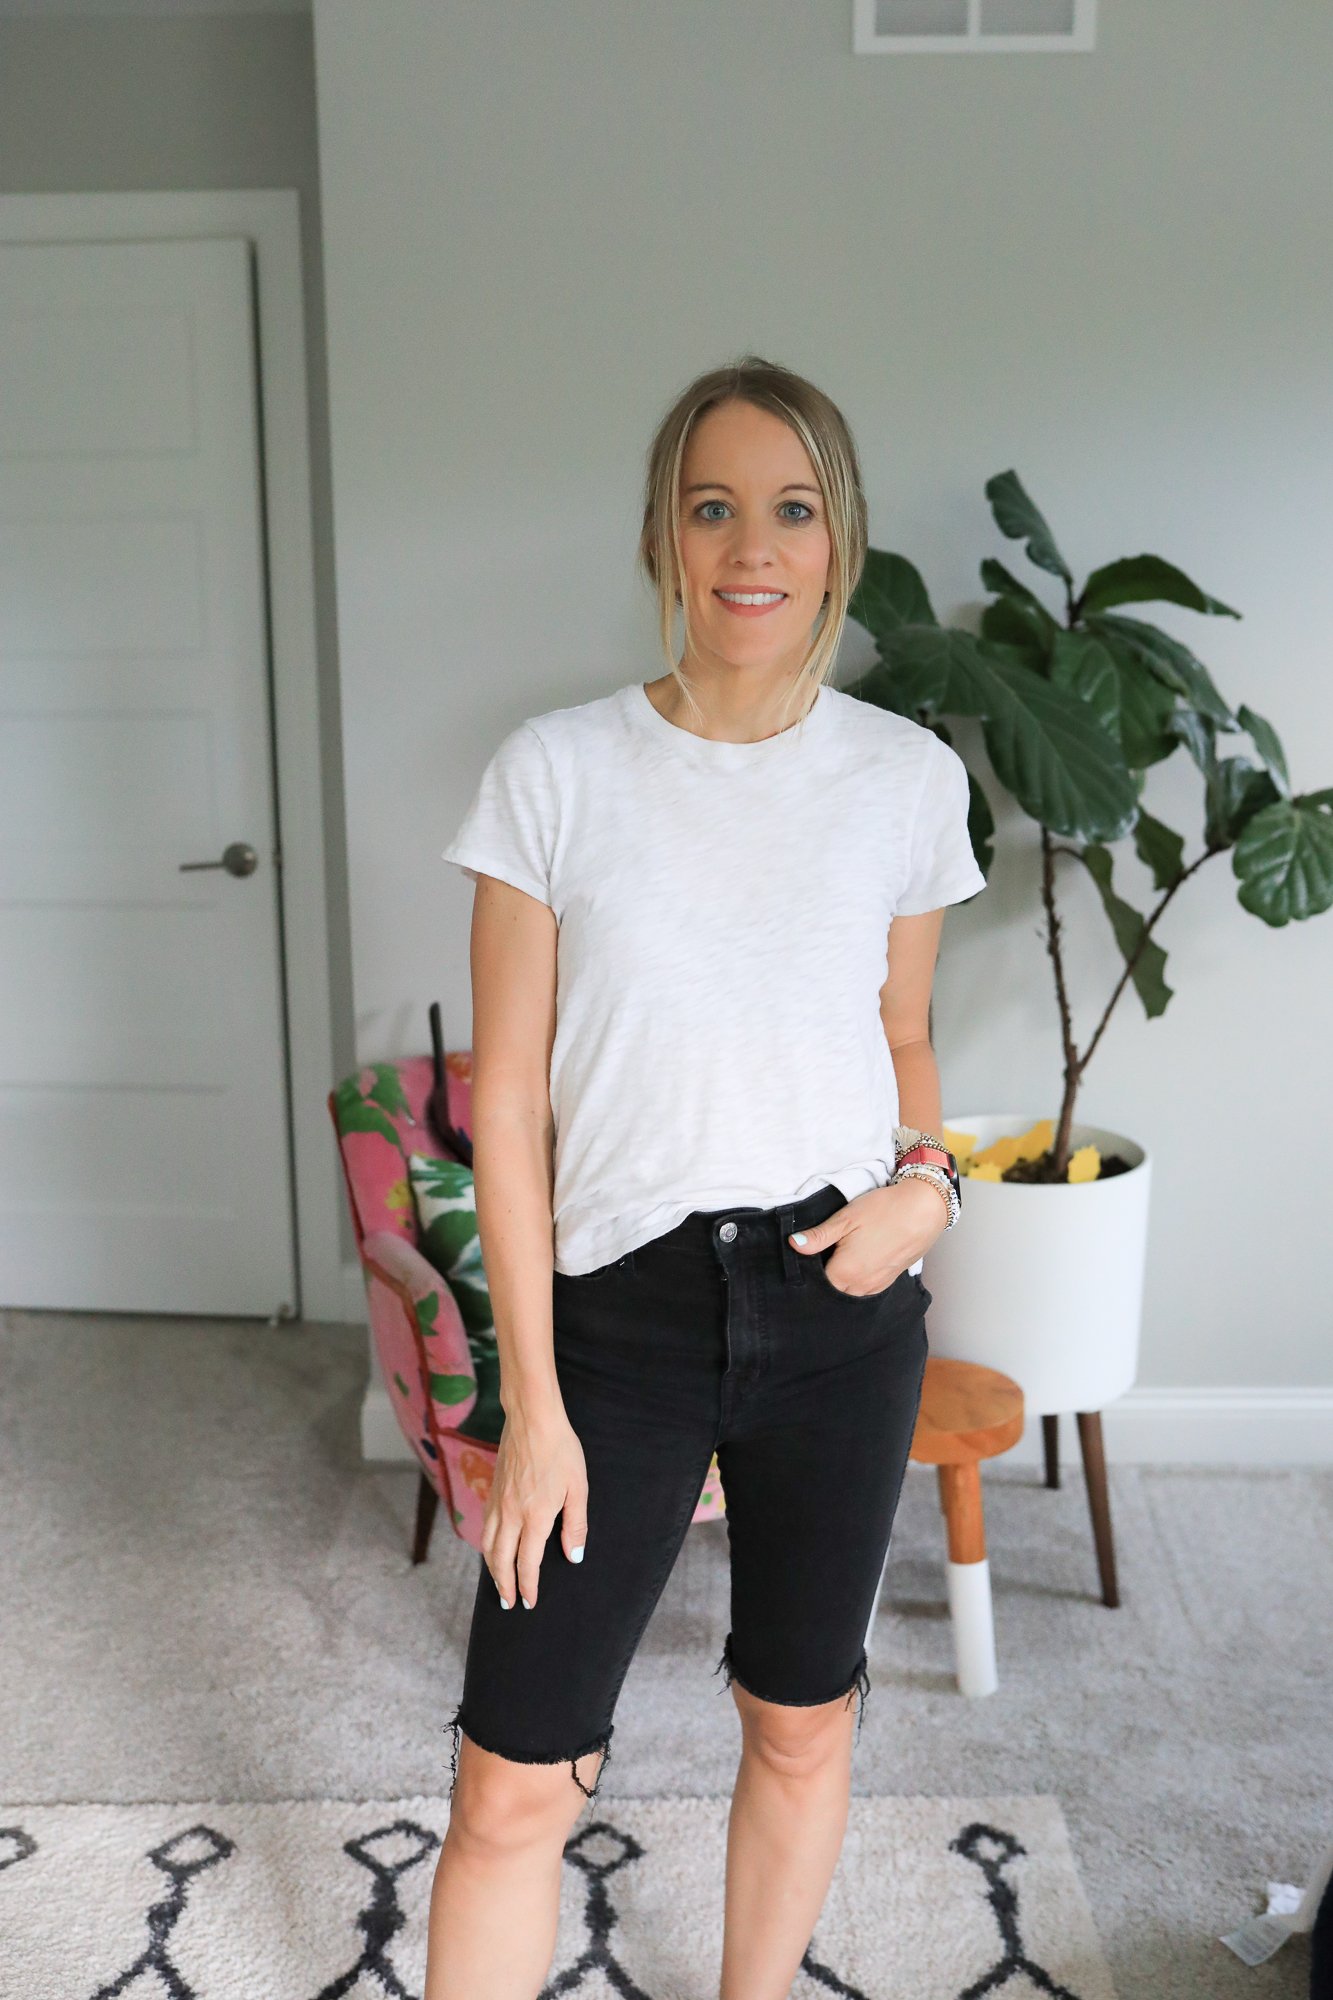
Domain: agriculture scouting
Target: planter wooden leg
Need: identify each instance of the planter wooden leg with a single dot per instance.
(1050, 1438)
(427, 1502)
(1099, 1504)
(968, 1578)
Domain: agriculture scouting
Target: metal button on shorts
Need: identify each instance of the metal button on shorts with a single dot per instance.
(728, 1232)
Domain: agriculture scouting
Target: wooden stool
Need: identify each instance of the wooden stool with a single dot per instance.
(967, 1413)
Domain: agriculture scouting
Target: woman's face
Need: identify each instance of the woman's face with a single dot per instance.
(752, 522)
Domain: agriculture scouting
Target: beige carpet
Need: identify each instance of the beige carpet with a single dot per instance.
(205, 1594)
(933, 1899)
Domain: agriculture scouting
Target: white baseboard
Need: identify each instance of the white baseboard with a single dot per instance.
(1240, 1427)
(1146, 1426)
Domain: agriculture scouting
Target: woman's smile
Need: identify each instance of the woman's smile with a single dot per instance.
(751, 603)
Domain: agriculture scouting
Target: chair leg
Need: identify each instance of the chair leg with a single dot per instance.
(428, 1501)
(1050, 1437)
(967, 1574)
(1099, 1504)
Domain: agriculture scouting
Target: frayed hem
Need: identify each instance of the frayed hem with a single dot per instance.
(859, 1685)
(456, 1724)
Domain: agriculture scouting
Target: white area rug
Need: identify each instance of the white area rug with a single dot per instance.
(933, 1899)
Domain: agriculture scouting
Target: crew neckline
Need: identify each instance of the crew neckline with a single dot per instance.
(707, 749)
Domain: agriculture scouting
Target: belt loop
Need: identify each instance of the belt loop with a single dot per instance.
(793, 1264)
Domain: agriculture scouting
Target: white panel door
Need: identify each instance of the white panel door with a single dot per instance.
(144, 1154)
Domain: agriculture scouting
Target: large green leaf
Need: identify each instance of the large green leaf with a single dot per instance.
(1234, 791)
(1284, 859)
(1265, 740)
(931, 666)
(1016, 517)
(1017, 616)
(1198, 733)
(1065, 770)
(882, 688)
(1011, 622)
(1004, 583)
(1149, 966)
(1173, 664)
(1146, 580)
(1147, 705)
(890, 593)
(1159, 848)
(1083, 665)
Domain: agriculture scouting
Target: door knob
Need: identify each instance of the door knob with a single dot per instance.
(237, 859)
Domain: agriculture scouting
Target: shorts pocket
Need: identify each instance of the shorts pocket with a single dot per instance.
(902, 1286)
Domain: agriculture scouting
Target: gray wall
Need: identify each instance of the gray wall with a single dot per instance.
(1109, 271)
(208, 102)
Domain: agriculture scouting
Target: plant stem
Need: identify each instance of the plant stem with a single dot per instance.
(1075, 1064)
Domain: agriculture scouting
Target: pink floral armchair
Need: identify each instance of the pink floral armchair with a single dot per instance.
(378, 1114)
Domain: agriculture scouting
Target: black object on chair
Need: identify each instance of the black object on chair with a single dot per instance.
(437, 1104)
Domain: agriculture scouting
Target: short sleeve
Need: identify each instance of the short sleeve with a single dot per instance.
(943, 868)
(509, 828)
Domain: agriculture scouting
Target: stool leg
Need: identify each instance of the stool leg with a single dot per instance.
(967, 1574)
(1099, 1501)
(1050, 1438)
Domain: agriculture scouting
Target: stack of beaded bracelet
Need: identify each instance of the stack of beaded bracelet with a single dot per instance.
(907, 1167)
(937, 1178)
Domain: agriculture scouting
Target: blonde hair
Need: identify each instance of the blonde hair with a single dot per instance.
(823, 430)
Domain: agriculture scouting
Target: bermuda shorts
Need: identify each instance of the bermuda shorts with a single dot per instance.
(716, 1336)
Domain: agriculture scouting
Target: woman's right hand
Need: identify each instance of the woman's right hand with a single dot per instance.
(539, 1469)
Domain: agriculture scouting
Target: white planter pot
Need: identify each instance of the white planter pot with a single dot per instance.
(1045, 1283)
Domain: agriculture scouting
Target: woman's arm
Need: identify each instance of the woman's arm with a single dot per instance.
(539, 1468)
(881, 1232)
(904, 1008)
(513, 954)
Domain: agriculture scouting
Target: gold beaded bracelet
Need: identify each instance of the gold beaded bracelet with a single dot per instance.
(936, 1178)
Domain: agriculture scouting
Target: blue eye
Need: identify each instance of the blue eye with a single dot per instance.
(807, 513)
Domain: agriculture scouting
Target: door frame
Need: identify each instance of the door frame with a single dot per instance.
(271, 219)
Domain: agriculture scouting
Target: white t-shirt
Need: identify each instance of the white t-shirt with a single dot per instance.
(723, 911)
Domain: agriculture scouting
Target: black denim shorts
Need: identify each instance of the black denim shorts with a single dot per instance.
(716, 1336)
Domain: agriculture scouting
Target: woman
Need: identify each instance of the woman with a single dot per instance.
(685, 1181)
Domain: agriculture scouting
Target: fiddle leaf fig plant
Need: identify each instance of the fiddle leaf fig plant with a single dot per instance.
(1075, 704)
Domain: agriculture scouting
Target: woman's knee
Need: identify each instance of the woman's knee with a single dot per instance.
(794, 1740)
(498, 1804)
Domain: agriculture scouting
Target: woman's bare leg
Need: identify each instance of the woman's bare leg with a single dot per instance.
(784, 1836)
(495, 1902)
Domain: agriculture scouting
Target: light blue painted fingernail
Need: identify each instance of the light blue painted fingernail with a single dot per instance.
(505, 1605)
(800, 1237)
(526, 1605)
(576, 1555)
